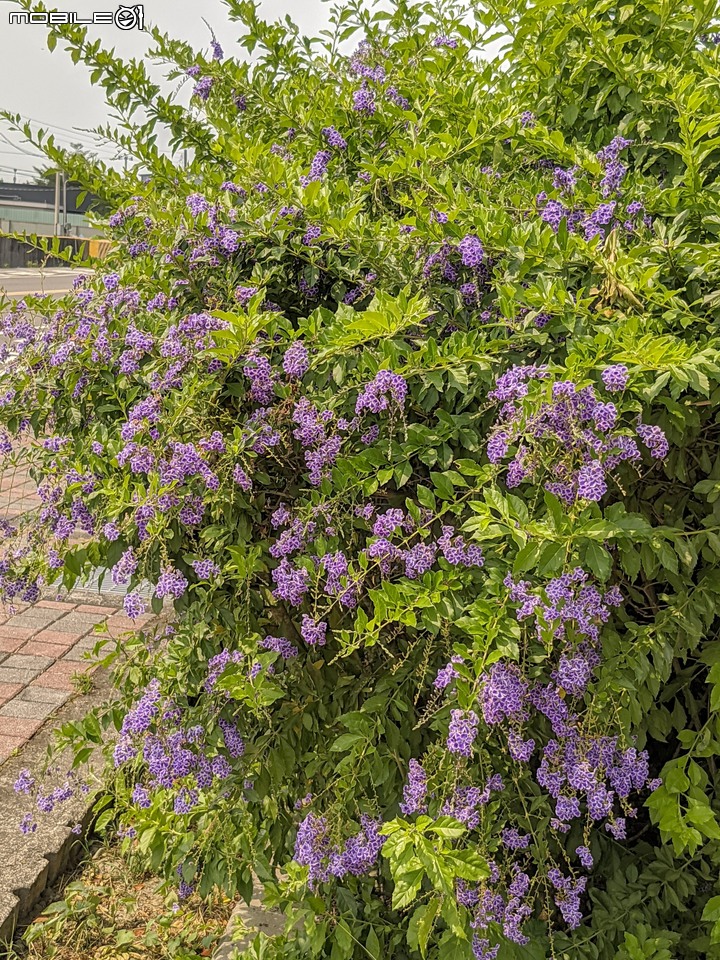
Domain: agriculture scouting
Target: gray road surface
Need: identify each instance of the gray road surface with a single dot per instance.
(23, 281)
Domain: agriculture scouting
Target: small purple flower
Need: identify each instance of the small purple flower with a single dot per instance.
(654, 439)
(591, 481)
(313, 632)
(24, 783)
(471, 251)
(171, 583)
(134, 605)
(242, 479)
(311, 235)
(205, 569)
(364, 101)
(585, 856)
(615, 377)
(462, 732)
(140, 797)
(415, 790)
(513, 840)
(296, 362)
(202, 88)
(334, 138)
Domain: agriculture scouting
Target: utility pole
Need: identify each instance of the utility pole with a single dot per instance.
(14, 176)
(185, 158)
(65, 210)
(57, 202)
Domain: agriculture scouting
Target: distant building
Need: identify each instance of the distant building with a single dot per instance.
(30, 208)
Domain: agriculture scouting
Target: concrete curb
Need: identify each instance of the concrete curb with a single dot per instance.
(245, 922)
(32, 862)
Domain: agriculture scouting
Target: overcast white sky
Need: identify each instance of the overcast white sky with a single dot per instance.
(49, 88)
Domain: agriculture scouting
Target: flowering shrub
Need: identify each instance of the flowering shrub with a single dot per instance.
(403, 396)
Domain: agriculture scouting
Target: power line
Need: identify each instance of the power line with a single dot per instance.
(109, 154)
(11, 152)
(80, 134)
(58, 126)
(19, 169)
(19, 149)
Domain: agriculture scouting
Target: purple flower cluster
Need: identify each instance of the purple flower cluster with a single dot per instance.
(462, 732)
(261, 376)
(415, 790)
(280, 645)
(615, 378)
(471, 251)
(465, 802)
(573, 422)
(171, 583)
(334, 139)
(364, 101)
(376, 396)
(134, 605)
(314, 849)
(313, 631)
(447, 674)
(296, 362)
(291, 582)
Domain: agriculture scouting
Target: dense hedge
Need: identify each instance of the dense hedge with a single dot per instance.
(404, 393)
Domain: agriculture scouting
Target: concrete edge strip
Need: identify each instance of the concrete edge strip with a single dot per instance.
(250, 919)
(33, 862)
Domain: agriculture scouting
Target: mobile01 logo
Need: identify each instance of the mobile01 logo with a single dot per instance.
(124, 18)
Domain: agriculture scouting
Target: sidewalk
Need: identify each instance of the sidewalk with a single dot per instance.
(43, 645)
(43, 684)
(41, 649)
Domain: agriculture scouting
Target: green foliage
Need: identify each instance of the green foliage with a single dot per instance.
(343, 722)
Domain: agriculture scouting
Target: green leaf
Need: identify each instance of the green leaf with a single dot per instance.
(711, 910)
(598, 559)
(426, 923)
(468, 864)
(443, 485)
(345, 741)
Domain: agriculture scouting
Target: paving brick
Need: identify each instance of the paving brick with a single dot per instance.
(16, 633)
(9, 690)
(34, 617)
(44, 695)
(8, 745)
(13, 675)
(57, 636)
(21, 727)
(72, 624)
(59, 675)
(52, 681)
(26, 710)
(68, 668)
(36, 648)
(121, 620)
(56, 605)
(95, 608)
(21, 661)
(78, 653)
(10, 645)
(38, 613)
(116, 630)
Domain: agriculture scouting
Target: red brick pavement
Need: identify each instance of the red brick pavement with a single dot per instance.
(39, 649)
(42, 646)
